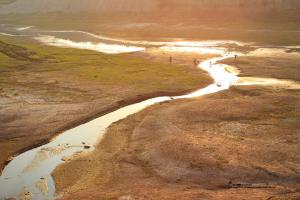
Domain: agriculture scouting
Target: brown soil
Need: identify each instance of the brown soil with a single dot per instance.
(238, 144)
(47, 103)
(193, 148)
(269, 67)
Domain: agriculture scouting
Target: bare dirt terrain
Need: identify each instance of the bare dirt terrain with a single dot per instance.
(279, 64)
(192, 149)
(238, 144)
(45, 90)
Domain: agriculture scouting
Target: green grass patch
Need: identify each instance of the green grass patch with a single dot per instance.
(22, 57)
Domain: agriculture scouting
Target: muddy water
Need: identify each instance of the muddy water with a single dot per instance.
(29, 174)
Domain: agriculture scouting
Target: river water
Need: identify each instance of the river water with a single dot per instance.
(29, 174)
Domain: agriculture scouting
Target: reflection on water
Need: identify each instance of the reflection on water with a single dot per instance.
(100, 47)
(150, 43)
(193, 49)
(29, 168)
(24, 28)
(31, 171)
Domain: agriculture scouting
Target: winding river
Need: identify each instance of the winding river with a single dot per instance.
(29, 174)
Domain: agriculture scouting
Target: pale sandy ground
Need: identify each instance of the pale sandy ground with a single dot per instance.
(200, 148)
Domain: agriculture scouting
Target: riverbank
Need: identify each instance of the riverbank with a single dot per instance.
(46, 90)
(194, 148)
(238, 144)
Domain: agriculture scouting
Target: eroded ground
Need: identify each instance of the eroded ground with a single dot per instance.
(45, 90)
(238, 144)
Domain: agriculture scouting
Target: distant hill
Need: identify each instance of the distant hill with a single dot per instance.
(30, 6)
(26, 6)
(266, 21)
(162, 8)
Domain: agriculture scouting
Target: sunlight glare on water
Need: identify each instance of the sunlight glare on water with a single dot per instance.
(192, 49)
(100, 47)
(27, 169)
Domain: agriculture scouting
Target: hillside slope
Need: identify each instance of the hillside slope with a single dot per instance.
(190, 7)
